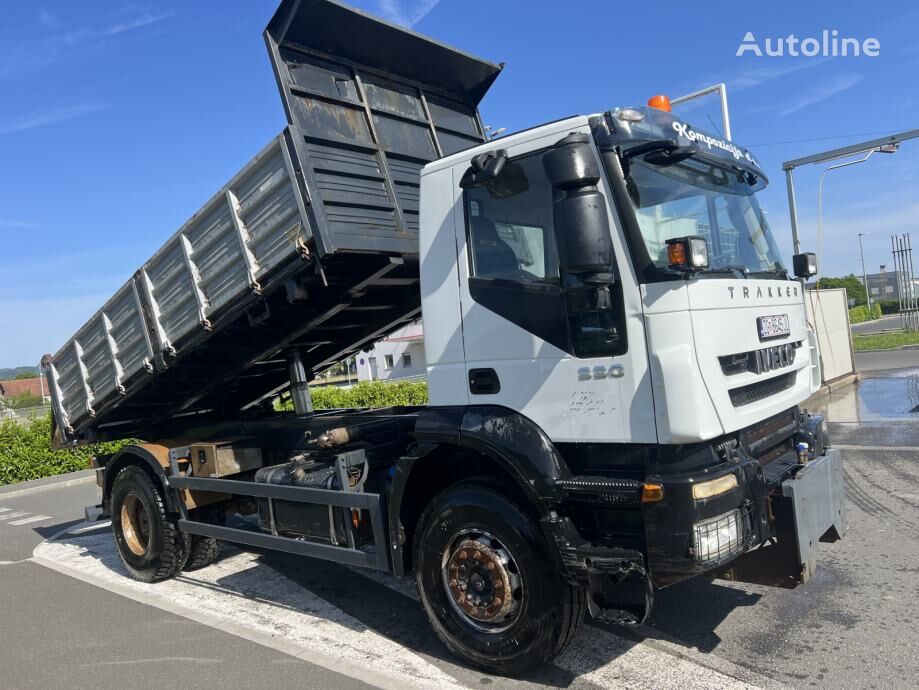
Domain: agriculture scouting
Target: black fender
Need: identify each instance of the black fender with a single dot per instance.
(519, 446)
(143, 457)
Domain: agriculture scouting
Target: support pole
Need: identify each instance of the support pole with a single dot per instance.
(299, 383)
(793, 209)
(864, 274)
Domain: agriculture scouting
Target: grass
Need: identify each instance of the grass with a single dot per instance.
(884, 341)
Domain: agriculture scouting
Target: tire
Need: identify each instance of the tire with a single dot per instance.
(149, 542)
(474, 518)
(203, 551)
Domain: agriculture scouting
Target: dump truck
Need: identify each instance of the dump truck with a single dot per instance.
(616, 355)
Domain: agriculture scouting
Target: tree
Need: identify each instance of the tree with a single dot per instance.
(854, 288)
(23, 375)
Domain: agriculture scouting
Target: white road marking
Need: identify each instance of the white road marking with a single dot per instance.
(5, 510)
(10, 516)
(34, 518)
(252, 600)
(240, 592)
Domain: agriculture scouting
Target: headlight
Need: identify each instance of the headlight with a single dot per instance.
(714, 487)
(718, 538)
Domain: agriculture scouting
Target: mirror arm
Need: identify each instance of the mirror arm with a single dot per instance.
(483, 168)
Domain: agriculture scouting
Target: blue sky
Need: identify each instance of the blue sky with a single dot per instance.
(118, 120)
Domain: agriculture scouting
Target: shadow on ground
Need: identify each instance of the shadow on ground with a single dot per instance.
(687, 613)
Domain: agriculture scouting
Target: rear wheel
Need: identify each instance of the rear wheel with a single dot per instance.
(149, 542)
(203, 551)
(488, 582)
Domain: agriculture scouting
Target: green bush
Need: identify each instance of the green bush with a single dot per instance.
(860, 313)
(890, 306)
(26, 453)
(365, 394)
(22, 400)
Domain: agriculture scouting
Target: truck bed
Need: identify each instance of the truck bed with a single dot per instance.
(312, 246)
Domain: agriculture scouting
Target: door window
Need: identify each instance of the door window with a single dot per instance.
(514, 268)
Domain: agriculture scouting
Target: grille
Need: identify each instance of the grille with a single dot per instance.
(757, 361)
(769, 433)
(744, 395)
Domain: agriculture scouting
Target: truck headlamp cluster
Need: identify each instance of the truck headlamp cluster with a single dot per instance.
(714, 487)
(718, 538)
(687, 253)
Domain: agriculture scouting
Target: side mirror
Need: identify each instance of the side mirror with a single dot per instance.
(484, 168)
(585, 245)
(805, 265)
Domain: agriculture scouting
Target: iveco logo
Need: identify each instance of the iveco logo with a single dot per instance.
(771, 358)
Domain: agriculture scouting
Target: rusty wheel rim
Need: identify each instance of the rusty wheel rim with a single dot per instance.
(482, 581)
(135, 524)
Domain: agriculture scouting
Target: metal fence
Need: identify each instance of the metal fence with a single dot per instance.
(24, 415)
(902, 250)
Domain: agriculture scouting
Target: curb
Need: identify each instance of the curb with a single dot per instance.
(34, 486)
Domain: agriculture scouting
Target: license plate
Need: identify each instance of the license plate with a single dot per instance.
(775, 326)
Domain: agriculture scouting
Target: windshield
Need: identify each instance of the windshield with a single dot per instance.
(694, 197)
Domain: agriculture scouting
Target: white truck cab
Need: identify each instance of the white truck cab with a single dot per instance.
(675, 355)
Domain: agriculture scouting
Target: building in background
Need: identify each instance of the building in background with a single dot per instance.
(36, 388)
(399, 356)
(885, 286)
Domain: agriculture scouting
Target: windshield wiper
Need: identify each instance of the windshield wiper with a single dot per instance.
(742, 270)
(660, 152)
(778, 271)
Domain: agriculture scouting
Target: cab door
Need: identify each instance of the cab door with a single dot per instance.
(581, 375)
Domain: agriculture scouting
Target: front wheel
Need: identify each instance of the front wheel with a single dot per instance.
(488, 582)
(149, 542)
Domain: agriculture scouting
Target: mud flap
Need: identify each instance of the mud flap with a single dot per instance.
(818, 497)
(810, 509)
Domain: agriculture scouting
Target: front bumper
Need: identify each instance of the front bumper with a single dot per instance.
(782, 523)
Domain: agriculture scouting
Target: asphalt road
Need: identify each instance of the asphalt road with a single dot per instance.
(887, 360)
(254, 619)
(61, 632)
(884, 323)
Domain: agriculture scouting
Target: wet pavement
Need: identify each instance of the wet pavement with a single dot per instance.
(880, 396)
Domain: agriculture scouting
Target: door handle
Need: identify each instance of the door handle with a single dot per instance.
(484, 382)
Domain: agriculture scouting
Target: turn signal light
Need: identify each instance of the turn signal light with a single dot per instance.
(660, 101)
(687, 253)
(676, 254)
(652, 493)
